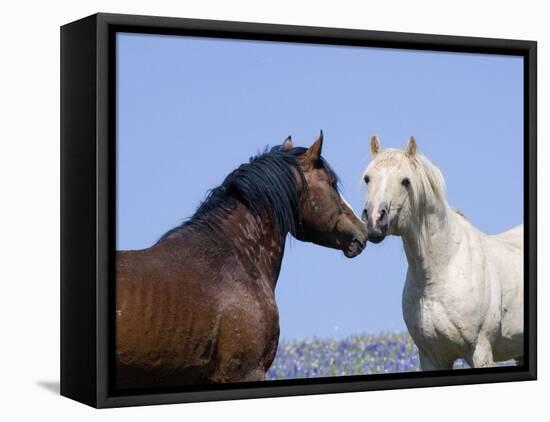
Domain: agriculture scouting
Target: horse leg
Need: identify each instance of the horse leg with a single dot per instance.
(238, 359)
(482, 355)
(430, 363)
(426, 364)
(246, 347)
(232, 373)
(255, 375)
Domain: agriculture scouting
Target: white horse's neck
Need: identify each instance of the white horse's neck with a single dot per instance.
(430, 242)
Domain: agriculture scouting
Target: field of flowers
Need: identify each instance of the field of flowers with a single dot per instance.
(357, 355)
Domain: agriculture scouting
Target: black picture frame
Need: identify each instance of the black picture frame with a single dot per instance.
(88, 197)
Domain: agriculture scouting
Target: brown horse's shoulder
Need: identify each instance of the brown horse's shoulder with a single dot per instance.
(187, 306)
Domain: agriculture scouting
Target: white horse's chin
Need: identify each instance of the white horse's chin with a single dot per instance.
(376, 239)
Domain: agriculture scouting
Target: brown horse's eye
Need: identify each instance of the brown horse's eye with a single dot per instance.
(405, 182)
(366, 179)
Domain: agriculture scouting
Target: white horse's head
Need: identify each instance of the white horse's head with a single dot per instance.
(402, 187)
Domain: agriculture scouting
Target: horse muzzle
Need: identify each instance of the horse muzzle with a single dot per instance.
(376, 239)
(357, 243)
(377, 230)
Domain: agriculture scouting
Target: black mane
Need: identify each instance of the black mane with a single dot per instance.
(266, 185)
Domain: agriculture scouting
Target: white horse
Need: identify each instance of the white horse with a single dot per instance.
(463, 296)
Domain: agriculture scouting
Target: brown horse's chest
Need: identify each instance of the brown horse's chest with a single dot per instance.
(193, 322)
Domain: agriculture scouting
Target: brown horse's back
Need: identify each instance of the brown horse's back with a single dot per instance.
(173, 309)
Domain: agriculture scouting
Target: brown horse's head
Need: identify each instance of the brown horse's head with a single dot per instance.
(326, 217)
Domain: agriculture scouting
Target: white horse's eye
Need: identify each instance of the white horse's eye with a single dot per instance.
(405, 182)
(366, 179)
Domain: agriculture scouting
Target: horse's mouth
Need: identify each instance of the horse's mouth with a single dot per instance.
(376, 239)
(355, 247)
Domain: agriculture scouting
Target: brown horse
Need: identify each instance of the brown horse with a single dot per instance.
(199, 306)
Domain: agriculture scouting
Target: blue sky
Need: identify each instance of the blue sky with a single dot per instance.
(190, 110)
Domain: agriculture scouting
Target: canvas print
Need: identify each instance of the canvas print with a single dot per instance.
(290, 211)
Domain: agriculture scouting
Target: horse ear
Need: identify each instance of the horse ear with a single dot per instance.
(287, 144)
(375, 147)
(314, 151)
(410, 149)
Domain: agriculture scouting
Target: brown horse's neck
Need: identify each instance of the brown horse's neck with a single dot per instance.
(256, 243)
